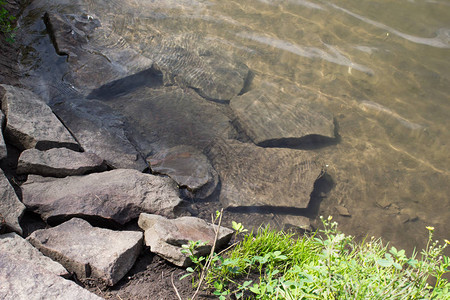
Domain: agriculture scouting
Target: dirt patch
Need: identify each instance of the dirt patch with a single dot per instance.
(150, 278)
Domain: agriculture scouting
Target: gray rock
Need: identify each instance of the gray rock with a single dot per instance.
(117, 195)
(22, 280)
(171, 116)
(188, 167)
(11, 209)
(191, 61)
(19, 247)
(59, 162)
(102, 131)
(287, 221)
(342, 210)
(255, 176)
(89, 251)
(166, 237)
(269, 116)
(31, 123)
(90, 44)
(3, 151)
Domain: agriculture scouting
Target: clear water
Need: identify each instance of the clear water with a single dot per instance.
(381, 67)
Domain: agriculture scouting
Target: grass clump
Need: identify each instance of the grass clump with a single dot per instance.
(328, 264)
(6, 23)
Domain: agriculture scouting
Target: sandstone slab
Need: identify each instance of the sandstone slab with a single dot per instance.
(11, 209)
(255, 176)
(31, 123)
(189, 60)
(19, 247)
(188, 167)
(22, 280)
(89, 251)
(91, 44)
(3, 151)
(118, 195)
(102, 131)
(59, 162)
(166, 237)
(271, 117)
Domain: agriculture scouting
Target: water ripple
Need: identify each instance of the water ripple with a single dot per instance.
(333, 55)
(441, 40)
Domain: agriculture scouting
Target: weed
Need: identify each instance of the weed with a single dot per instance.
(6, 23)
(324, 265)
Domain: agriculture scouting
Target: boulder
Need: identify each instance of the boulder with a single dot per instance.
(188, 167)
(3, 151)
(31, 123)
(117, 195)
(89, 251)
(102, 131)
(255, 176)
(22, 280)
(11, 209)
(59, 162)
(272, 118)
(166, 237)
(19, 247)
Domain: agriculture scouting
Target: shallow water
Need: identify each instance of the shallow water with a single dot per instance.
(381, 67)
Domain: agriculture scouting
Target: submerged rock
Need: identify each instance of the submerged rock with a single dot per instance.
(22, 280)
(11, 209)
(117, 195)
(31, 123)
(166, 237)
(20, 248)
(91, 44)
(102, 131)
(188, 167)
(191, 61)
(270, 117)
(89, 251)
(255, 176)
(59, 162)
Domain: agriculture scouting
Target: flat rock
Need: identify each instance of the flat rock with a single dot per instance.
(272, 118)
(190, 60)
(90, 44)
(342, 210)
(89, 251)
(255, 176)
(19, 247)
(117, 195)
(166, 237)
(3, 151)
(11, 209)
(293, 221)
(22, 280)
(59, 162)
(188, 167)
(102, 131)
(31, 123)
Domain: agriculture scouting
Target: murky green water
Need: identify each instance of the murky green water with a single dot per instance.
(381, 67)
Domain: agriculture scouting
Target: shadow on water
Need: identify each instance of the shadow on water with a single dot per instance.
(308, 142)
(147, 78)
(322, 186)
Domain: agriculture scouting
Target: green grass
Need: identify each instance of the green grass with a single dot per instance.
(6, 23)
(325, 265)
